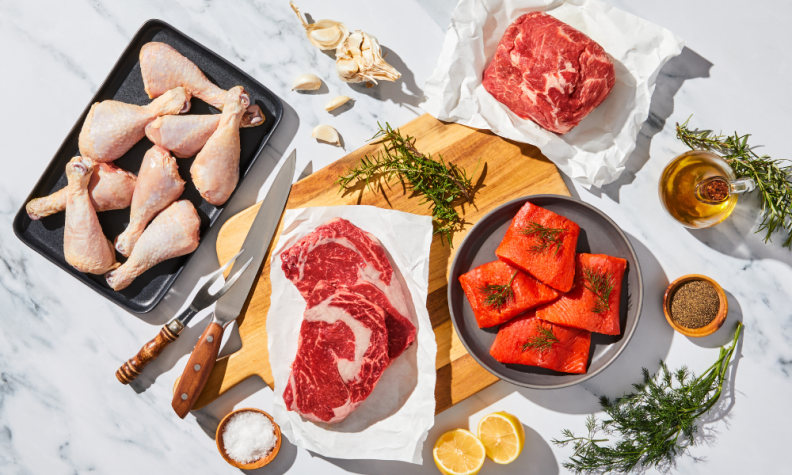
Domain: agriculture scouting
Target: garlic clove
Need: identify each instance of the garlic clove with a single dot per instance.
(336, 103)
(359, 58)
(306, 82)
(324, 34)
(325, 133)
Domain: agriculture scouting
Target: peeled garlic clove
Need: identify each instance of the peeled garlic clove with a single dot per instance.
(306, 82)
(336, 103)
(359, 58)
(324, 34)
(325, 133)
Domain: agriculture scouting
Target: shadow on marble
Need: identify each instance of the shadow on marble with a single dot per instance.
(395, 91)
(688, 65)
(737, 237)
(650, 343)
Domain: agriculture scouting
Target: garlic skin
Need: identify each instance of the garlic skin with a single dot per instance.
(359, 59)
(325, 133)
(324, 34)
(337, 102)
(306, 82)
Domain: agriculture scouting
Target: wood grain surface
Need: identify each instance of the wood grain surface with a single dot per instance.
(506, 170)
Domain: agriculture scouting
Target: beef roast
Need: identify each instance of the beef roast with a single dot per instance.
(341, 254)
(342, 352)
(546, 71)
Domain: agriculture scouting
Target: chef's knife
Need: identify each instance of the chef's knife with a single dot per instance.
(229, 305)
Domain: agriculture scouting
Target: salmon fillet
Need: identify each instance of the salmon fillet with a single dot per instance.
(526, 292)
(541, 243)
(519, 341)
(584, 308)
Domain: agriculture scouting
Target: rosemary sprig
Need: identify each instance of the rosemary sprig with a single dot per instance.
(600, 283)
(547, 236)
(442, 184)
(498, 295)
(541, 342)
(772, 176)
(654, 424)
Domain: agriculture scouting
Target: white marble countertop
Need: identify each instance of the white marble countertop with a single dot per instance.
(62, 410)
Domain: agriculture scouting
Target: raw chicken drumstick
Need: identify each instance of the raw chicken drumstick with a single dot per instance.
(113, 127)
(84, 244)
(184, 135)
(215, 170)
(158, 185)
(173, 233)
(110, 188)
(164, 68)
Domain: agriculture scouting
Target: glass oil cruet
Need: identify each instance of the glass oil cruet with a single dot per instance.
(699, 189)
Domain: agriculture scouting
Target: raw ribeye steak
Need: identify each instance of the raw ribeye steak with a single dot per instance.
(546, 71)
(342, 352)
(341, 254)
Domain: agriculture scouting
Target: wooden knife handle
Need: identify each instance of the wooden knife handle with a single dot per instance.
(197, 370)
(134, 366)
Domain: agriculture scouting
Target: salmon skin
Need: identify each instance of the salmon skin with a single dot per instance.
(593, 302)
(526, 292)
(525, 340)
(541, 243)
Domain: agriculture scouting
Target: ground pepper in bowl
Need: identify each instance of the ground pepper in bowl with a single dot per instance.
(695, 304)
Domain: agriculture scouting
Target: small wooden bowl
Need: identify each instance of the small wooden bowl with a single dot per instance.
(712, 326)
(252, 465)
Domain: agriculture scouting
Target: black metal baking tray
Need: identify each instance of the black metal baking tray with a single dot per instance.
(125, 83)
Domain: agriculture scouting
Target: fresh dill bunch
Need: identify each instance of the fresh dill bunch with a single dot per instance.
(654, 424)
(441, 184)
(542, 342)
(498, 295)
(547, 236)
(772, 176)
(601, 284)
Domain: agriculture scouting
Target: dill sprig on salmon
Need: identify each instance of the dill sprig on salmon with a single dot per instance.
(498, 295)
(542, 342)
(547, 236)
(600, 283)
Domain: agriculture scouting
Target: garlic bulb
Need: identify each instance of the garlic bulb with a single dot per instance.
(306, 82)
(325, 133)
(324, 34)
(359, 59)
(336, 102)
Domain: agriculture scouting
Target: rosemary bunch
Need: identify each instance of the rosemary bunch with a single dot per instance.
(654, 424)
(772, 176)
(443, 185)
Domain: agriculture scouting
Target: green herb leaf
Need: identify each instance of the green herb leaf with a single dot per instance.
(547, 236)
(542, 342)
(652, 425)
(772, 176)
(441, 184)
(498, 295)
(600, 283)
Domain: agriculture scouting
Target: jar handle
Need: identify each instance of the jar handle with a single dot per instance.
(742, 185)
(717, 189)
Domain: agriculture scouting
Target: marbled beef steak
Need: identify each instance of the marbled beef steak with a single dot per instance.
(546, 71)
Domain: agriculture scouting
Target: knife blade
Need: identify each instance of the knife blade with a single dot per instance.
(229, 305)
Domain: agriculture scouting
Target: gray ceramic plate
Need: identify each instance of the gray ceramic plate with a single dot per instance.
(598, 235)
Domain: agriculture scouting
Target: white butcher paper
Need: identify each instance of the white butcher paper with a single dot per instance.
(594, 152)
(393, 422)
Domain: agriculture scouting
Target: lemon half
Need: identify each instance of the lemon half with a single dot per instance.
(503, 437)
(459, 452)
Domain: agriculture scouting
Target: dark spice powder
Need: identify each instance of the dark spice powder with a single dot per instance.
(695, 304)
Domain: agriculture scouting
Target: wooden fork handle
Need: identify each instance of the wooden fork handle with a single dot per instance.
(132, 368)
(197, 371)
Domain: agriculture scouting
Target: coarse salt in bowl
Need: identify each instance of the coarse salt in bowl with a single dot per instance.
(248, 438)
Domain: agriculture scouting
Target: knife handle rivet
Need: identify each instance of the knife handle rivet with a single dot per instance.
(184, 396)
(197, 367)
(210, 338)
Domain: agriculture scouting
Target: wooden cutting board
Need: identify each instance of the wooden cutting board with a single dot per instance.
(508, 170)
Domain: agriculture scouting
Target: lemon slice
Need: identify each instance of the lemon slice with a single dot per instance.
(459, 452)
(503, 437)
